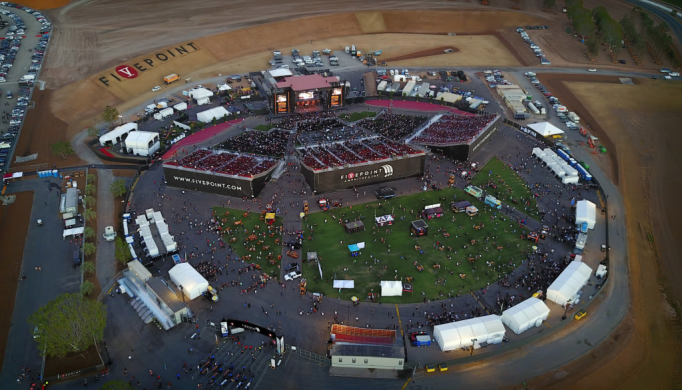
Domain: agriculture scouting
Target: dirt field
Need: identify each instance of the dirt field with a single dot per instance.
(642, 122)
(423, 53)
(44, 4)
(14, 220)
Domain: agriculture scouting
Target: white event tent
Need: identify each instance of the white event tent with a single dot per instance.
(391, 288)
(142, 143)
(199, 93)
(344, 284)
(117, 135)
(570, 281)
(546, 129)
(585, 211)
(215, 112)
(472, 332)
(193, 284)
(525, 315)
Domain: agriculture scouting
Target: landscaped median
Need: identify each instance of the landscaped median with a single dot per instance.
(459, 254)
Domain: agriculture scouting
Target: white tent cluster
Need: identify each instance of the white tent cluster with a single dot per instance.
(193, 284)
(473, 332)
(566, 288)
(525, 315)
(162, 227)
(556, 164)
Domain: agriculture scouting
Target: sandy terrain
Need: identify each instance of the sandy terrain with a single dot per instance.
(642, 122)
(14, 220)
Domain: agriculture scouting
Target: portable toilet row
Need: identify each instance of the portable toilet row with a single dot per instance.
(48, 173)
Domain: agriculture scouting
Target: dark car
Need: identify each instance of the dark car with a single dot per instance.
(621, 62)
(294, 244)
(292, 267)
(385, 193)
(654, 77)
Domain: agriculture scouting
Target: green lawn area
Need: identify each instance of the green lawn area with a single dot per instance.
(264, 127)
(511, 186)
(396, 249)
(677, 3)
(356, 116)
(252, 225)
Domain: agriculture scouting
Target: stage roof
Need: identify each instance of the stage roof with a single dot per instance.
(306, 83)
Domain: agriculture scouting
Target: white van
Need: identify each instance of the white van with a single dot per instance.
(391, 72)
(347, 50)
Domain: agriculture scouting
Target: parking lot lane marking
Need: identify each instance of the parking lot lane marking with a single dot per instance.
(601, 201)
(479, 302)
(548, 325)
(406, 382)
(399, 321)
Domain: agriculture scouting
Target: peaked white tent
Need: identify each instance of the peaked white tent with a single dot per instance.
(118, 134)
(585, 211)
(547, 129)
(569, 282)
(142, 143)
(193, 284)
(215, 112)
(180, 106)
(525, 315)
(473, 332)
(199, 93)
(391, 288)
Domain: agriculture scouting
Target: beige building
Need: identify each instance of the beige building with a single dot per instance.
(167, 300)
(386, 357)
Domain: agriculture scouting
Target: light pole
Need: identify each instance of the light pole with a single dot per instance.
(121, 118)
(182, 294)
(473, 342)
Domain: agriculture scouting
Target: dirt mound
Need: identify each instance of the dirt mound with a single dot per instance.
(425, 53)
(44, 4)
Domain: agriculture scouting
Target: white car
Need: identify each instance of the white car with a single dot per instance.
(292, 275)
(3, 80)
(591, 70)
(284, 66)
(156, 89)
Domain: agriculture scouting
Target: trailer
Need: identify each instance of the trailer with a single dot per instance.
(534, 109)
(382, 86)
(171, 78)
(408, 88)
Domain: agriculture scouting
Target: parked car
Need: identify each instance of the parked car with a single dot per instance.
(292, 275)
(156, 89)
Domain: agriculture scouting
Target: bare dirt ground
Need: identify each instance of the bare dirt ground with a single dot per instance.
(14, 220)
(44, 4)
(642, 122)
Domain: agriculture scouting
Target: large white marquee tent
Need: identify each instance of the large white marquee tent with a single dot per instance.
(546, 129)
(525, 315)
(117, 135)
(193, 284)
(585, 211)
(391, 288)
(215, 112)
(142, 143)
(199, 93)
(461, 334)
(570, 281)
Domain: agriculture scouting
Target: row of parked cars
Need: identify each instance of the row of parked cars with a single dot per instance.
(569, 119)
(536, 49)
(46, 25)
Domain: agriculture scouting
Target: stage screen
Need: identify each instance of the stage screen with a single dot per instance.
(306, 95)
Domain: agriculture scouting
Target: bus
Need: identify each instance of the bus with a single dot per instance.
(493, 202)
(474, 191)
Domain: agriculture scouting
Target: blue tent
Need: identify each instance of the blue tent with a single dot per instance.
(354, 248)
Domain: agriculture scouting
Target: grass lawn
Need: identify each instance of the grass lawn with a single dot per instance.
(264, 127)
(512, 186)
(356, 116)
(395, 249)
(237, 237)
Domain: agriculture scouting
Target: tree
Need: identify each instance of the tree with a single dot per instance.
(122, 252)
(549, 3)
(89, 232)
(90, 189)
(592, 44)
(89, 249)
(612, 34)
(68, 323)
(87, 287)
(62, 149)
(118, 187)
(215, 121)
(93, 132)
(110, 114)
(89, 214)
(639, 48)
(379, 93)
(90, 179)
(600, 15)
(117, 385)
(88, 267)
(89, 201)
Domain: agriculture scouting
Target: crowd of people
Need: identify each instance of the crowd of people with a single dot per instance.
(271, 143)
(224, 162)
(353, 152)
(393, 126)
(291, 121)
(453, 129)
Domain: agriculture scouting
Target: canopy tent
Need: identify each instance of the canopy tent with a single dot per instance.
(118, 134)
(449, 97)
(547, 129)
(215, 112)
(142, 143)
(224, 87)
(586, 211)
(391, 288)
(344, 284)
(384, 220)
(525, 315)
(72, 232)
(564, 289)
(471, 211)
(193, 284)
(199, 93)
(473, 332)
(180, 106)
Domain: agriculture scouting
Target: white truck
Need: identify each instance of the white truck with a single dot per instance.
(573, 117)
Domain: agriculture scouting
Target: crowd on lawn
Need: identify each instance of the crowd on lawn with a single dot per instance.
(224, 162)
(271, 143)
(393, 126)
(453, 129)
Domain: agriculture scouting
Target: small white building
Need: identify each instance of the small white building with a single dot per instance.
(566, 287)
(391, 288)
(193, 284)
(118, 134)
(586, 211)
(215, 112)
(527, 314)
(142, 143)
(180, 106)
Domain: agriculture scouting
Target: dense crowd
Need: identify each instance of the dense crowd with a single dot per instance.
(454, 129)
(290, 121)
(353, 152)
(393, 126)
(272, 143)
(224, 162)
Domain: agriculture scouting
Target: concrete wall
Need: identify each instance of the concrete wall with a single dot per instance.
(368, 362)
